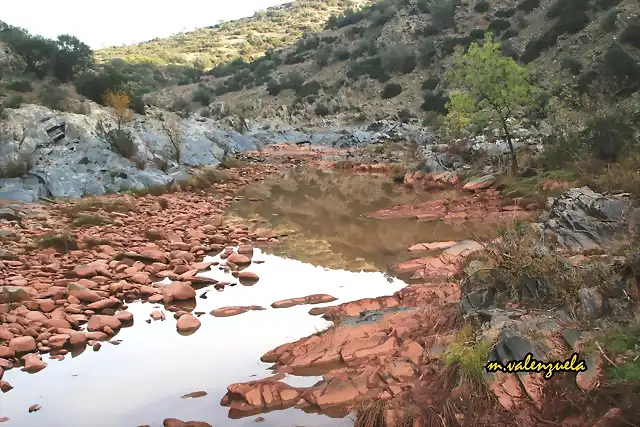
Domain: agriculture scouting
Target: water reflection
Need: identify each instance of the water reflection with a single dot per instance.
(327, 210)
(141, 381)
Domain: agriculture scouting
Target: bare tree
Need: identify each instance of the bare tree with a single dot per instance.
(173, 130)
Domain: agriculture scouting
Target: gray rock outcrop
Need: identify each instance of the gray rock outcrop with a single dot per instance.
(582, 219)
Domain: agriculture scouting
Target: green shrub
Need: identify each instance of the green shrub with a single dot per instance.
(341, 53)
(611, 135)
(321, 110)
(435, 101)
(499, 25)
(571, 64)
(308, 89)
(404, 115)
(323, 55)
(528, 6)
(22, 85)
(477, 33)
(120, 140)
(54, 97)
(398, 59)
(431, 83)
(369, 66)
(505, 13)
(391, 90)
(293, 80)
(631, 34)
(202, 94)
(608, 21)
(481, 6)
(273, 87)
(14, 101)
(443, 13)
(428, 51)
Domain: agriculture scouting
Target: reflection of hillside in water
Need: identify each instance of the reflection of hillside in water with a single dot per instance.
(327, 210)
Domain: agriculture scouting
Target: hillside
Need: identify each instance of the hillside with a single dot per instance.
(248, 38)
(389, 58)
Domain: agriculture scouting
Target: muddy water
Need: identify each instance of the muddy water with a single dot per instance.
(325, 213)
(141, 380)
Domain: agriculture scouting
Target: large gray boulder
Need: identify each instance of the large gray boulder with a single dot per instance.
(582, 219)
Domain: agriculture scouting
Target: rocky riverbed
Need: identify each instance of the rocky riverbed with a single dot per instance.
(182, 306)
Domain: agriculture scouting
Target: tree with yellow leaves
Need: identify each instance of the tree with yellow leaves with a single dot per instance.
(120, 138)
(120, 103)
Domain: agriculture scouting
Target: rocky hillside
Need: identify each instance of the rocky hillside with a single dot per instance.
(388, 59)
(248, 38)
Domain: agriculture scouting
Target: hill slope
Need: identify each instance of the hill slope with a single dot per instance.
(582, 52)
(247, 37)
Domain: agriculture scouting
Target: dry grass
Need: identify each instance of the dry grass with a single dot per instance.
(231, 162)
(525, 269)
(208, 176)
(63, 241)
(97, 204)
(163, 203)
(620, 177)
(92, 242)
(89, 220)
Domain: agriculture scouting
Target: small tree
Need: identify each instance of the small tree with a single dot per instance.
(484, 81)
(120, 102)
(171, 127)
(120, 138)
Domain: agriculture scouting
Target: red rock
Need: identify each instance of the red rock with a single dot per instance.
(46, 305)
(245, 250)
(238, 259)
(78, 339)
(58, 341)
(84, 271)
(311, 299)
(248, 278)
(5, 387)
(23, 344)
(98, 322)
(187, 322)
(264, 394)
(178, 291)
(141, 278)
(173, 422)
(154, 255)
(124, 316)
(33, 363)
(35, 316)
(105, 303)
(155, 298)
(157, 315)
(81, 293)
(234, 311)
(431, 246)
(6, 351)
(57, 323)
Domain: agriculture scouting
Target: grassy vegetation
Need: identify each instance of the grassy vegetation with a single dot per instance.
(468, 356)
(621, 345)
(245, 38)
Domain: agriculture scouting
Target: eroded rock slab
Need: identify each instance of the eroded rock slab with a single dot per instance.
(311, 299)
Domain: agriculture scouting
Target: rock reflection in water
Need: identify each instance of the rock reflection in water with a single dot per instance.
(141, 381)
(327, 211)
